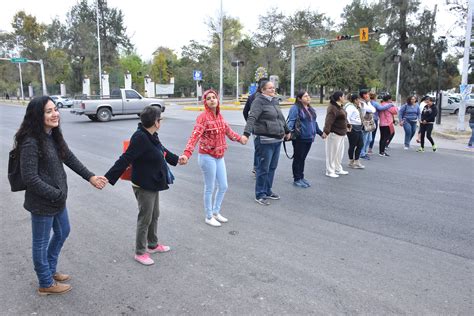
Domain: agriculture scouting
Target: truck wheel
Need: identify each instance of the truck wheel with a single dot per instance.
(92, 118)
(104, 115)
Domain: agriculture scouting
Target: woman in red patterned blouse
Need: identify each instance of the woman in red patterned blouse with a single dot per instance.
(210, 130)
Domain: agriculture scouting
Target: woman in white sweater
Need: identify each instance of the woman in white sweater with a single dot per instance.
(368, 112)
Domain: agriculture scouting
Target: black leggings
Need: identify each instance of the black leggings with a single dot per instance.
(384, 137)
(426, 128)
(356, 142)
(300, 150)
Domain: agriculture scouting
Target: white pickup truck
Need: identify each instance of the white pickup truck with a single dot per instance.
(121, 102)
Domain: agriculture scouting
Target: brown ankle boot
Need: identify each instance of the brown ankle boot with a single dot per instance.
(56, 288)
(61, 277)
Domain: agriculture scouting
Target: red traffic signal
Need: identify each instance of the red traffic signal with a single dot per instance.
(343, 37)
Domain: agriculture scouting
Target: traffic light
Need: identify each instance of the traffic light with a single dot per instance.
(343, 37)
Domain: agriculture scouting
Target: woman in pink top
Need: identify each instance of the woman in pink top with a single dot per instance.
(210, 131)
(386, 124)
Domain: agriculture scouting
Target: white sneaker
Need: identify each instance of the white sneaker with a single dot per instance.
(220, 218)
(358, 165)
(406, 148)
(213, 222)
(342, 172)
(331, 175)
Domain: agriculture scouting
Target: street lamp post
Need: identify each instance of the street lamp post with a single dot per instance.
(398, 59)
(439, 58)
(98, 48)
(236, 64)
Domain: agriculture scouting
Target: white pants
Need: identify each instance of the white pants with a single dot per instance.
(334, 152)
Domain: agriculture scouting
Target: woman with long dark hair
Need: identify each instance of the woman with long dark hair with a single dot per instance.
(428, 116)
(303, 125)
(43, 153)
(335, 130)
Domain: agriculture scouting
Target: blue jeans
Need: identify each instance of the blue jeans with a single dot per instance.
(267, 163)
(410, 131)
(471, 140)
(254, 155)
(367, 137)
(45, 248)
(213, 169)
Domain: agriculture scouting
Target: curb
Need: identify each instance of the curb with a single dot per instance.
(223, 107)
(450, 136)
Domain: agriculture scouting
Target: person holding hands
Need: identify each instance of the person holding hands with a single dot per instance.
(210, 131)
(150, 175)
(43, 153)
(267, 123)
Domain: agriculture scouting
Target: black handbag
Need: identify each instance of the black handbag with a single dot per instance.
(14, 172)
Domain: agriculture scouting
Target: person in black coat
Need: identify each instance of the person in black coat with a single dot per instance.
(428, 116)
(150, 174)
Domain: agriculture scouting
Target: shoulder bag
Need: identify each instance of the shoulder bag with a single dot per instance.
(14, 171)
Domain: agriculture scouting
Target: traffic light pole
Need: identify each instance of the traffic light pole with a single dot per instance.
(43, 79)
(293, 53)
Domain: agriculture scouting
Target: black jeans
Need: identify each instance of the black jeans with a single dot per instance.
(300, 150)
(356, 142)
(426, 128)
(384, 137)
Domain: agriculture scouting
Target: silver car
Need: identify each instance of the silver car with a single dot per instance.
(62, 101)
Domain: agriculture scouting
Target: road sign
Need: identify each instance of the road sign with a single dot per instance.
(317, 42)
(19, 60)
(197, 74)
(364, 34)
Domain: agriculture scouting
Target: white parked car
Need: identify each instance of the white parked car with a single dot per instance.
(454, 102)
(62, 101)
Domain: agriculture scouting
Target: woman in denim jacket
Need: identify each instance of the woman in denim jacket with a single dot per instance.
(304, 134)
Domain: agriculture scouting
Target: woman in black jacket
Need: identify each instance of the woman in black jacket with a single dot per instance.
(428, 116)
(43, 153)
(150, 174)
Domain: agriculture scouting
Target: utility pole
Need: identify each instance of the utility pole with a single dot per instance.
(465, 66)
(221, 57)
(98, 48)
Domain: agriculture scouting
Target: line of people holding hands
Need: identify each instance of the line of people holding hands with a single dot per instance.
(43, 152)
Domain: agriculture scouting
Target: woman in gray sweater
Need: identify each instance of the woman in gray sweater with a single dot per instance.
(43, 151)
(268, 124)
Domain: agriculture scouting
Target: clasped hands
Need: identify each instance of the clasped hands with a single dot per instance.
(183, 159)
(99, 182)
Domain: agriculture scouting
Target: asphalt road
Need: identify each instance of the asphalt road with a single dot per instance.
(395, 238)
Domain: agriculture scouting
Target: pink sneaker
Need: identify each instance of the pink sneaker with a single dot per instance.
(144, 259)
(159, 248)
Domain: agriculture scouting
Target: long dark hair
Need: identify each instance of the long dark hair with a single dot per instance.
(335, 96)
(300, 105)
(33, 126)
